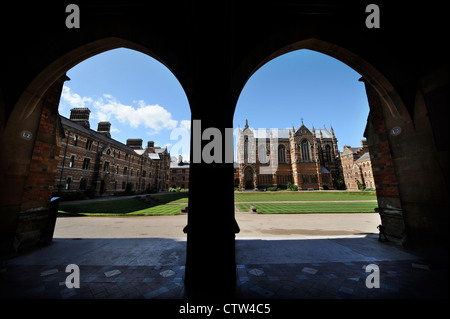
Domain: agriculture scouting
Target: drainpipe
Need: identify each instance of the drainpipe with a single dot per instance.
(64, 162)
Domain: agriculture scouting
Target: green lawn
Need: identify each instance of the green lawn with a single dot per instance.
(120, 207)
(171, 198)
(135, 207)
(304, 208)
(303, 196)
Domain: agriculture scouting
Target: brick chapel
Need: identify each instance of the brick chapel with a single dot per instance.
(307, 158)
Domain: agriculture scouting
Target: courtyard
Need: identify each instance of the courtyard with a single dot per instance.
(278, 257)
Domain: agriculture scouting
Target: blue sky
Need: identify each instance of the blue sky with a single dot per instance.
(143, 99)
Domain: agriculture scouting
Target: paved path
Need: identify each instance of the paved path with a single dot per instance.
(251, 225)
(277, 256)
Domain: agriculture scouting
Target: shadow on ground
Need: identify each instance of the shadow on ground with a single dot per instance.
(152, 268)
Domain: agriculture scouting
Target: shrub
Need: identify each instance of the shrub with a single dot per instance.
(339, 183)
(361, 186)
(150, 189)
(90, 192)
(178, 190)
(129, 189)
(73, 196)
(291, 187)
(271, 189)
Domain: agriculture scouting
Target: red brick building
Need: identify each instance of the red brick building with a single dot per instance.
(357, 167)
(307, 158)
(179, 173)
(91, 159)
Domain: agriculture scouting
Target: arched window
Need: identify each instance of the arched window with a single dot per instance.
(83, 183)
(281, 154)
(305, 151)
(68, 182)
(262, 156)
(328, 153)
(245, 148)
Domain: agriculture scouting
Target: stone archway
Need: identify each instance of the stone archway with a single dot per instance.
(213, 55)
(32, 132)
(391, 110)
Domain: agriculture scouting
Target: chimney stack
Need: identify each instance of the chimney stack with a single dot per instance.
(364, 144)
(134, 143)
(104, 128)
(151, 146)
(80, 115)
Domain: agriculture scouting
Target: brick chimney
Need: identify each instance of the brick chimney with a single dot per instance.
(364, 144)
(151, 146)
(134, 143)
(80, 115)
(104, 128)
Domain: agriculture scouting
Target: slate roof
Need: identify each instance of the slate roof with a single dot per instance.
(284, 133)
(105, 139)
(364, 157)
(95, 135)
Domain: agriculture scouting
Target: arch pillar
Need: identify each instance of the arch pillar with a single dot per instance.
(210, 252)
(28, 159)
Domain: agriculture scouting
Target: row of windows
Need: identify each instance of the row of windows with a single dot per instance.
(83, 184)
(89, 144)
(350, 166)
(366, 174)
(368, 184)
(87, 161)
(180, 171)
(304, 147)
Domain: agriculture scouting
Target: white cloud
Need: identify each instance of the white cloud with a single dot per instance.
(73, 99)
(185, 124)
(107, 107)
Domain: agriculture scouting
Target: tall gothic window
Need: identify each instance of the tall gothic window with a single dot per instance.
(328, 153)
(262, 154)
(305, 151)
(281, 154)
(246, 148)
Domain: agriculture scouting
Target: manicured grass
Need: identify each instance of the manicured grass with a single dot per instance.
(303, 196)
(135, 207)
(304, 208)
(121, 207)
(171, 198)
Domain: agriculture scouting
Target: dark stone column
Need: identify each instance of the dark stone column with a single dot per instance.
(28, 160)
(210, 255)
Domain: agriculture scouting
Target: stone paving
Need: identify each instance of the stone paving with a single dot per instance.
(269, 267)
(330, 280)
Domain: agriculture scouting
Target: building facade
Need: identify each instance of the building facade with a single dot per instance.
(179, 173)
(357, 167)
(307, 158)
(92, 160)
